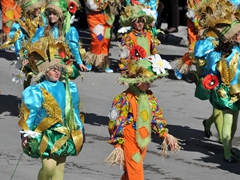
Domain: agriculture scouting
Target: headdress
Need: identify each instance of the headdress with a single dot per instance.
(145, 70)
(220, 18)
(46, 53)
(131, 13)
(30, 5)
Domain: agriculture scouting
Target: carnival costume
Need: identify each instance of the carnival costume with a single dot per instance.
(69, 33)
(134, 115)
(25, 27)
(220, 67)
(143, 38)
(100, 17)
(50, 115)
(11, 11)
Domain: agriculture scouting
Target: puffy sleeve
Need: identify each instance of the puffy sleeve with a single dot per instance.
(119, 113)
(76, 102)
(203, 47)
(32, 98)
(38, 34)
(158, 122)
(72, 39)
(18, 44)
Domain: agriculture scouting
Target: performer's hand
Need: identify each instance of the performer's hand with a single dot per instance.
(82, 67)
(25, 141)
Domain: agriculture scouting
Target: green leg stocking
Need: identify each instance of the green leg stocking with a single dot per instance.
(52, 168)
(228, 119)
(218, 116)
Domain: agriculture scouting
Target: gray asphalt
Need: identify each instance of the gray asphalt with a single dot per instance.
(200, 159)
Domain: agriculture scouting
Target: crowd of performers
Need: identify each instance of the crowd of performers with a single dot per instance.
(46, 44)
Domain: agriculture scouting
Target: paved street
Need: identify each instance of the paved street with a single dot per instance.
(200, 158)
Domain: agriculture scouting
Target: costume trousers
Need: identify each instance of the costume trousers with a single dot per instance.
(171, 8)
(192, 38)
(133, 156)
(100, 33)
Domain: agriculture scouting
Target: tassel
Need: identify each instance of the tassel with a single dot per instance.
(115, 158)
(172, 142)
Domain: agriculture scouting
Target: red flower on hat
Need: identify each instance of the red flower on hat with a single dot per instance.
(135, 2)
(210, 82)
(72, 7)
(62, 54)
(137, 52)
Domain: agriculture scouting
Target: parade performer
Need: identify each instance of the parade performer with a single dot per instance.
(220, 53)
(59, 15)
(138, 36)
(184, 64)
(135, 114)
(52, 128)
(24, 28)
(11, 11)
(100, 16)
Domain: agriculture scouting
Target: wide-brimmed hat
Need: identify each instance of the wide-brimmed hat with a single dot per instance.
(131, 13)
(145, 70)
(30, 5)
(60, 6)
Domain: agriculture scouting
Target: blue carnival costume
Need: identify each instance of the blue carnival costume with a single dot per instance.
(71, 37)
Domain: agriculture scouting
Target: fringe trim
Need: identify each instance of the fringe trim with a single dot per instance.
(116, 158)
(100, 61)
(172, 142)
(115, 6)
(182, 67)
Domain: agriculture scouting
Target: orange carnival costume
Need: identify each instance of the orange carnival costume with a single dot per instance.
(135, 114)
(183, 64)
(10, 12)
(100, 17)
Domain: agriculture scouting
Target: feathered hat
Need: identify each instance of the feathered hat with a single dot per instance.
(132, 13)
(220, 18)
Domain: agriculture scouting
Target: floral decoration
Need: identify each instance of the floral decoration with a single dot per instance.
(158, 64)
(72, 7)
(210, 82)
(19, 77)
(137, 52)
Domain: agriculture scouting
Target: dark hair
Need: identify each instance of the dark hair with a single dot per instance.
(226, 48)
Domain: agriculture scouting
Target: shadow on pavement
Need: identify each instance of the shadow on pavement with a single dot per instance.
(194, 141)
(9, 56)
(9, 103)
(94, 119)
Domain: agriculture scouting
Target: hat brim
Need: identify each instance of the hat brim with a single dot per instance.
(124, 79)
(34, 6)
(128, 21)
